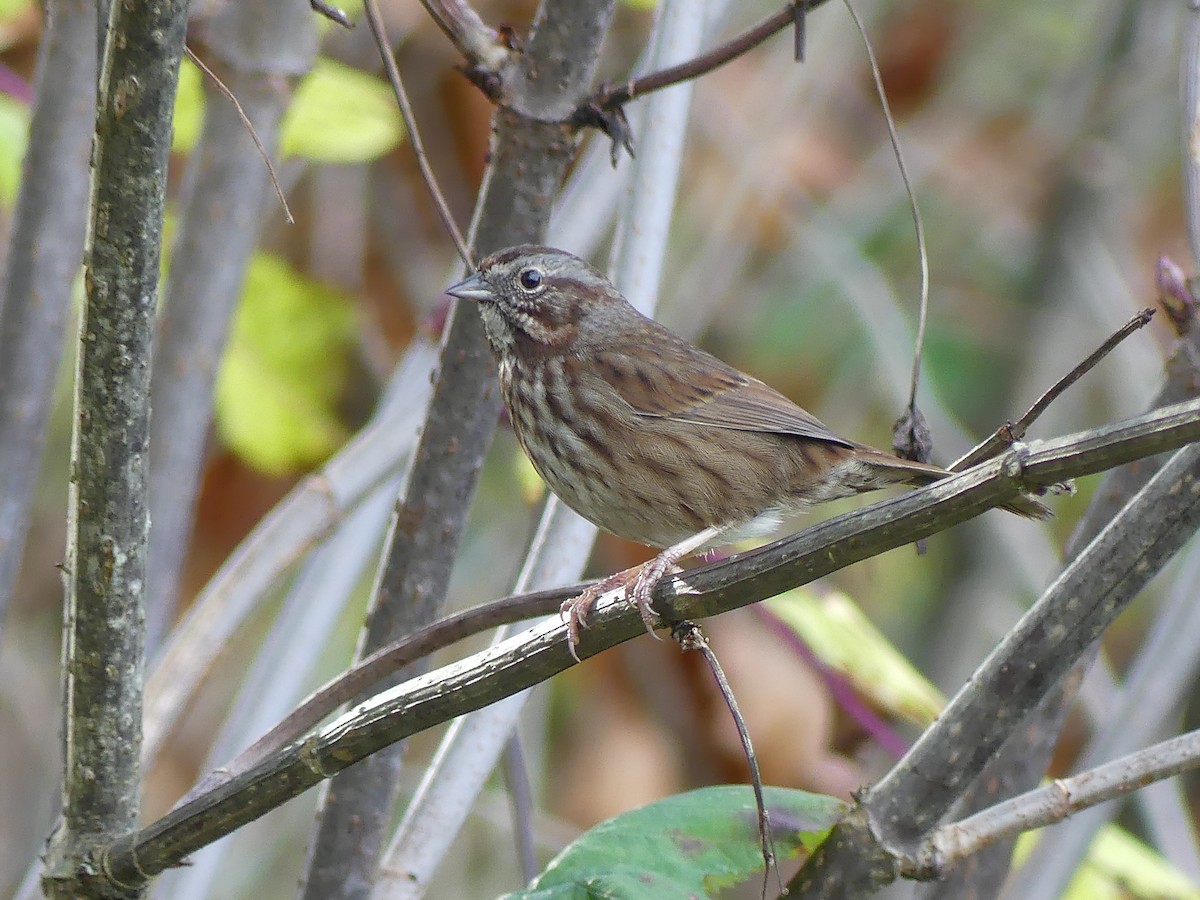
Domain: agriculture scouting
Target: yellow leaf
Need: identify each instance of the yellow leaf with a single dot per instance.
(14, 135)
(341, 115)
(846, 641)
(284, 370)
(188, 118)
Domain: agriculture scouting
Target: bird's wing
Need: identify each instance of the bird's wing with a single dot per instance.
(669, 378)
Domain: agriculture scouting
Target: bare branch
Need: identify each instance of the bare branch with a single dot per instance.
(538, 654)
(249, 126)
(863, 854)
(1053, 803)
(1006, 434)
(612, 96)
(482, 46)
(103, 654)
(332, 13)
(690, 637)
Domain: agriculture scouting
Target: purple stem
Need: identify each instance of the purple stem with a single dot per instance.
(839, 686)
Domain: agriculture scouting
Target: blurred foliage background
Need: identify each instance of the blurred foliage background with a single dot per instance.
(1044, 142)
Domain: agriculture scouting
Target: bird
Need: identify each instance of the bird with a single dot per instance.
(648, 436)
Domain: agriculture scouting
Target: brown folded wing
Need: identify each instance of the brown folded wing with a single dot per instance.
(672, 379)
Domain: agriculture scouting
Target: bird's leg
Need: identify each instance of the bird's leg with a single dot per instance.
(639, 583)
(575, 611)
(651, 573)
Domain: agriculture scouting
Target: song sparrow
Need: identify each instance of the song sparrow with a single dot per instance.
(648, 436)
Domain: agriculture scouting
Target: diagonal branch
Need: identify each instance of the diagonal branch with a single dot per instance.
(541, 652)
(482, 46)
(1054, 802)
(612, 96)
(864, 853)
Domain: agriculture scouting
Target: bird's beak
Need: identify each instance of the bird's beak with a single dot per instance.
(473, 288)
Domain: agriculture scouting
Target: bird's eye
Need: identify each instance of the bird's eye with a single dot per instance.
(530, 279)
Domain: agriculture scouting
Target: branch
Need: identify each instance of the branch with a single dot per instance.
(613, 96)
(1006, 434)
(1053, 803)
(529, 157)
(862, 854)
(103, 645)
(541, 652)
(483, 47)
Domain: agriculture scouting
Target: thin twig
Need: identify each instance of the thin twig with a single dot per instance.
(918, 223)
(516, 779)
(612, 96)
(414, 136)
(483, 47)
(262, 151)
(1009, 432)
(690, 637)
(800, 31)
(332, 13)
(1054, 802)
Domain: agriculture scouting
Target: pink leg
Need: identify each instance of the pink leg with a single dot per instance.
(575, 611)
(639, 583)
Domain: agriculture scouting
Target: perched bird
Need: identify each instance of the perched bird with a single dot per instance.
(646, 435)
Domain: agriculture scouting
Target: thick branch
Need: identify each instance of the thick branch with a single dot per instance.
(103, 654)
(1019, 673)
(529, 159)
(536, 655)
(1054, 802)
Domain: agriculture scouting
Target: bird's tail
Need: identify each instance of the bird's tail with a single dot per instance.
(893, 469)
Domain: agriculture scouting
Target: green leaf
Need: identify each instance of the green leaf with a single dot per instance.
(689, 845)
(14, 136)
(284, 370)
(846, 641)
(341, 115)
(188, 117)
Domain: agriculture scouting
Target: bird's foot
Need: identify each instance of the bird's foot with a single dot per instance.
(576, 610)
(639, 583)
(641, 590)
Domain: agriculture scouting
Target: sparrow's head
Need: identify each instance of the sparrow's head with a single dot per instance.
(537, 298)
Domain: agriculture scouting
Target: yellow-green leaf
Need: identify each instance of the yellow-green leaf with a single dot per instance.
(845, 640)
(284, 370)
(14, 135)
(341, 115)
(189, 108)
